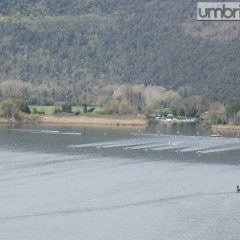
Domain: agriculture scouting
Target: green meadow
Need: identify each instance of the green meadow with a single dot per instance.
(49, 110)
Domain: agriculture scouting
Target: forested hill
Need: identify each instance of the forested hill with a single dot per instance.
(81, 43)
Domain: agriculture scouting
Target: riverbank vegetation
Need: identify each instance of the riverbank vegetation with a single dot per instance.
(23, 102)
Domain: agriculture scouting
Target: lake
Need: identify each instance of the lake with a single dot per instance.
(70, 183)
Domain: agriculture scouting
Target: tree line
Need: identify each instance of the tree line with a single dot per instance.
(123, 99)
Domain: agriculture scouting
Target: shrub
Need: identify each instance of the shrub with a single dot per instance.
(67, 108)
(34, 111)
(85, 108)
(25, 108)
(9, 108)
(125, 108)
(91, 109)
(57, 110)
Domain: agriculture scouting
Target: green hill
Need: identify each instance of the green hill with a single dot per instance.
(81, 43)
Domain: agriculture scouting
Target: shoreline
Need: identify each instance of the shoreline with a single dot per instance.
(3, 121)
(112, 121)
(226, 128)
(93, 120)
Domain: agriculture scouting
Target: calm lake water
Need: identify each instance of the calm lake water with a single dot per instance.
(70, 183)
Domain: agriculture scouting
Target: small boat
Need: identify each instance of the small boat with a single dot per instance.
(216, 135)
(238, 189)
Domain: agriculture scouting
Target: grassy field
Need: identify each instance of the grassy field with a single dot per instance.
(49, 110)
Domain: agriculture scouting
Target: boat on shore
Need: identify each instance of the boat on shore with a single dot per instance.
(216, 135)
(175, 120)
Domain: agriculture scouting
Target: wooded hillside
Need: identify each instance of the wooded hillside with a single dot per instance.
(82, 43)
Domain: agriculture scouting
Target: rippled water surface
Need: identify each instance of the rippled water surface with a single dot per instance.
(94, 183)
